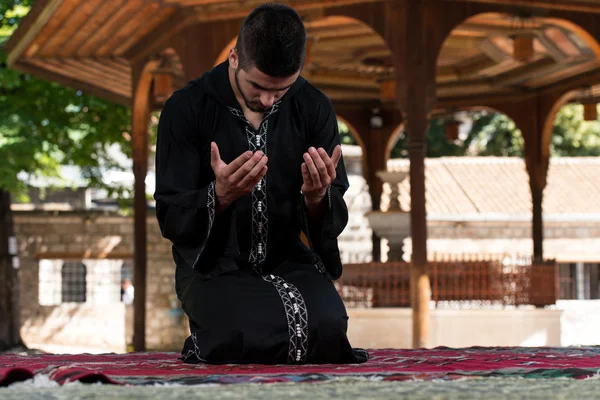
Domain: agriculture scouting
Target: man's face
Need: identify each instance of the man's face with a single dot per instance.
(260, 91)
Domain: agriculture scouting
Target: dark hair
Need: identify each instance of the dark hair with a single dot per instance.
(272, 39)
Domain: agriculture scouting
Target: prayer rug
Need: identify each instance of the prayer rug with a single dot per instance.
(440, 363)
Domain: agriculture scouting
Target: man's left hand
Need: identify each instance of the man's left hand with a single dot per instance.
(318, 171)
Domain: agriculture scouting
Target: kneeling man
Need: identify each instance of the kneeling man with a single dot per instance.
(248, 157)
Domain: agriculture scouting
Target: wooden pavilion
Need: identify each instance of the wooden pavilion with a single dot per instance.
(384, 64)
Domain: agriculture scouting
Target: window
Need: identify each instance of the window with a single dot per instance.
(85, 281)
(73, 282)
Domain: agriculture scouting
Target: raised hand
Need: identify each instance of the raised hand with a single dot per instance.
(237, 178)
(318, 171)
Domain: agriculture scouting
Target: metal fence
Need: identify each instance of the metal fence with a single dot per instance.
(512, 281)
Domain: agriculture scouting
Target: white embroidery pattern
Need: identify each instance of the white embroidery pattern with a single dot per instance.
(293, 302)
(193, 355)
(260, 227)
(297, 318)
(210, 206)
(260, 220)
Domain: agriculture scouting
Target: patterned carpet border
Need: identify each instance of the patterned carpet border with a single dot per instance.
(440, 363)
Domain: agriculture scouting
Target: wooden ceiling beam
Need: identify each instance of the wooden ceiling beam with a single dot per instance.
(584, 74)
(493, 51)
(226, 5)
(580, 6)
(524, 72)
(50, 28)
(161, 15)
(127, 30)
(82, 75)
(327, 23)
(231, 8)
(31, 26)
(555, 52)
(482, 89)
(480, 100)
(349, 95)
(448, 89)
(352, 30)
(461, 42)
(69, 27)
(349, 41)
(446, 73)
(474, 66)
(73, 82)
(109, 28)
(505, 66)
(160, 36)
(108, 63)
(98, 70)
(89, 24)
(472, 83)
(487, 29)
(340, 80)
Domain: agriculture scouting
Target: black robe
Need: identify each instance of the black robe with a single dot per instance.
(254, 293)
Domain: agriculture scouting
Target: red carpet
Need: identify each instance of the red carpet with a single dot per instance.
(385, 364)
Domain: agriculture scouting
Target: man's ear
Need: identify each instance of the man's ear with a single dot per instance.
(233, 58)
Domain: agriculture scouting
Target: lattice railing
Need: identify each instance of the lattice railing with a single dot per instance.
(485, 282)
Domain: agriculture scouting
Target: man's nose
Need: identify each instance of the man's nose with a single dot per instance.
(267, 99)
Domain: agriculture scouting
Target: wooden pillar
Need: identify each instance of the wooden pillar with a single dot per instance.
(537, 231)
(142, 79)
(534, 116)
(417, 123)
(414, 45)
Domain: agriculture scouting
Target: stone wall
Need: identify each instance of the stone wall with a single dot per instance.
(91, 236)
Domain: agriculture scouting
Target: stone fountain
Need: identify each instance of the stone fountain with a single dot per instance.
(393, 224)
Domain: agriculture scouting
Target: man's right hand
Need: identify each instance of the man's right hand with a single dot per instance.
(237, 178)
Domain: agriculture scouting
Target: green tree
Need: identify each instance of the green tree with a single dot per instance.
(495, 134)
(44, 125)
(346, 136)
(437, 144)
(574, 137)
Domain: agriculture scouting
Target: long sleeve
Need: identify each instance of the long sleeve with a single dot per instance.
(185, 196)
(323, 237)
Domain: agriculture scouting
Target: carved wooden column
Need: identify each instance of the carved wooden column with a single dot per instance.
(534, 116)
(142, 78)
(414, 39)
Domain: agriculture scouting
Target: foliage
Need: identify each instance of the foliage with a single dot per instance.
(44, 125)
(495, 134)
(346, 136)
(572, 136)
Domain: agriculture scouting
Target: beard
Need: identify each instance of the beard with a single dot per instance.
(254, 106)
